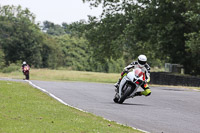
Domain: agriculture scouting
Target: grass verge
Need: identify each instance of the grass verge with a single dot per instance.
(65, 75)
(24, 109)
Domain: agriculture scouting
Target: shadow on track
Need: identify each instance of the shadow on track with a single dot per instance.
(173, 90)
(135, 104)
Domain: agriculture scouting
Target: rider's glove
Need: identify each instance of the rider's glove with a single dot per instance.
(148, 80)
(125, 69)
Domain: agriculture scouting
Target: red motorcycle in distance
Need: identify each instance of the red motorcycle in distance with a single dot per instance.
(26, 72)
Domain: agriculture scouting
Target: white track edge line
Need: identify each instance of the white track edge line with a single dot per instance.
(61, 101)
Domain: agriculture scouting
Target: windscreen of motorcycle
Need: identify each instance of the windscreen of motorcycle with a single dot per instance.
(138, 72)
(135, 74)
(26, 68)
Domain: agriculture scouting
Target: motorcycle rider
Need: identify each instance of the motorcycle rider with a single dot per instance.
(24, 64)
(142, 64)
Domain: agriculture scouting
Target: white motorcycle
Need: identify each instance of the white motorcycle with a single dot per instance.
(129, 85)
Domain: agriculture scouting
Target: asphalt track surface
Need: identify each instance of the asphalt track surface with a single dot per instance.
(167, 110)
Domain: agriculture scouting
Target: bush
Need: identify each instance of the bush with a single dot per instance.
(2, 60)
(11, 68)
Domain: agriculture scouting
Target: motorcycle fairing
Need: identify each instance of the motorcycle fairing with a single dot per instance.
(130, 77)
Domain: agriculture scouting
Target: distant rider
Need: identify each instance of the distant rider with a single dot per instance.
(24, 64)
(142, 64)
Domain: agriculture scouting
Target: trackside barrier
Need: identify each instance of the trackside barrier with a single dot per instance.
(165, 78)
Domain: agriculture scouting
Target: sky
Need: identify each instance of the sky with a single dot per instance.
(56, 11)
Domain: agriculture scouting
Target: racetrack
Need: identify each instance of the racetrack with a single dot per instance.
(167, 110)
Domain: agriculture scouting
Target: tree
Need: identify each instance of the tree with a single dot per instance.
(193, 47)
(106, 37)
(156, 28)
(74, 52)
(19, 35)
(22, 40)
(2, 60)
(53, 29)
(76, 28)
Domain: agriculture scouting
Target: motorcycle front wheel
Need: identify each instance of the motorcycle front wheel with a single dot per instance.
(127, 91)
(26, 75)
(116, 98)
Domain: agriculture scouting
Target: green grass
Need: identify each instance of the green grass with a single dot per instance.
(65, 75)
(24, 109)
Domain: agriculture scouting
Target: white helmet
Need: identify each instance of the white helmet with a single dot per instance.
(24, 63)
(142, 60)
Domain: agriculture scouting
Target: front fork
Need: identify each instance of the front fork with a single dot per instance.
(122, 83)
(132, 95)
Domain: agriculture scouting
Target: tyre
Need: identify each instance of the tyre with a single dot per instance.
(116, 98)
(127, 91)
(27, 75)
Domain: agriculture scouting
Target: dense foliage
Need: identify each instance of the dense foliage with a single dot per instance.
(21, 39)
(164, 30)
(51, 46)
(167, 31)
